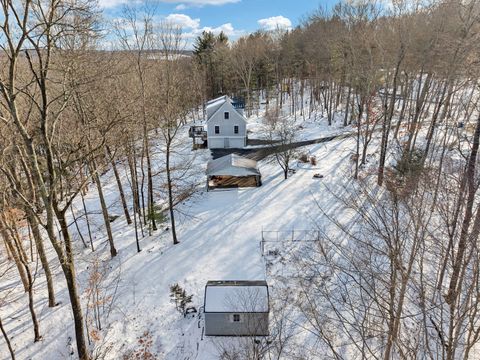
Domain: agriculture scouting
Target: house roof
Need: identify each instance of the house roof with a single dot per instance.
(232, 165)
(236, 296)
(216, 104)
(217, 101)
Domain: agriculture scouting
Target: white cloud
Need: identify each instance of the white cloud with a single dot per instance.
(183, 21)
(227, 29)
(186, 22)
(107, 4)
(275, 22)
(180, 7)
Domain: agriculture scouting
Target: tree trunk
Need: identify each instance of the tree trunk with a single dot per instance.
(7, 340)
(433, 123)
(170, 190)
(41, 254)
(347, 107)
(68, 267)
(136, 199)
(120, 186)
(330, 103)
(357, 148)
(150, 200)
(405, 95)
(387, 121)
(15, 245)
(36, 328)
(77, 227)
(87, 220)
(106, 218)
(419, 106)
(469, 182)
(16, 257)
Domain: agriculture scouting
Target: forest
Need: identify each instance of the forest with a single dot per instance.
(81, 97)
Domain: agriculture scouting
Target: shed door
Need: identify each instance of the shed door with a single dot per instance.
(227, 143)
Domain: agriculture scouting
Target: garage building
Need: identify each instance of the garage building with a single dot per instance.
(233, 171)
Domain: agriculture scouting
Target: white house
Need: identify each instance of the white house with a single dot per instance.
(226, 125)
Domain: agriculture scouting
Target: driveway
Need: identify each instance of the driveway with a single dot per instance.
(260, 153)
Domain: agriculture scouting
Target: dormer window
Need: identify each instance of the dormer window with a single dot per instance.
(226, 115)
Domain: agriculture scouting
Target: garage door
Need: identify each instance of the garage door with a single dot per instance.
(216, 143)
(237, 143)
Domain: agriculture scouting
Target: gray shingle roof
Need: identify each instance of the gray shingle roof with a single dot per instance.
(232, 165)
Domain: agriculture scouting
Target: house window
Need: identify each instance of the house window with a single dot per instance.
(236, 318)
(217, 129)
(227, 115)
(235, 129)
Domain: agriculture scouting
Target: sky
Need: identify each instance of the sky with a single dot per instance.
(234, 17)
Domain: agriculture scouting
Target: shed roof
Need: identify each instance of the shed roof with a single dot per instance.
(236, 296)
(232, 165)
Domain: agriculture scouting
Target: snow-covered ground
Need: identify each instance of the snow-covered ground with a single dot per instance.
(307, 127)
(219, 233)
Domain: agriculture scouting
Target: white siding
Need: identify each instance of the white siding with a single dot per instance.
(227, 138)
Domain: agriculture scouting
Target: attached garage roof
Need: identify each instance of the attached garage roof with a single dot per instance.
(236, 297)
(232, 165)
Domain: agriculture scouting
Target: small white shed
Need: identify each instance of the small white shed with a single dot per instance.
(236, 308)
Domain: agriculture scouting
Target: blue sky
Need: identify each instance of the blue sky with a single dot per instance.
(234, 17)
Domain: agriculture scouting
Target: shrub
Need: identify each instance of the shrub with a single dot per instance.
(143, 350)
(313, 160)
(180, 298)
(303, 157)
(410, 164)
(402, 180)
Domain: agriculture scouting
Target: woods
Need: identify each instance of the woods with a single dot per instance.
(398, 277)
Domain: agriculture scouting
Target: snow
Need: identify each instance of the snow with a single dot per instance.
(216, 102)
(307, 128)
(224, 298)
(219, 235)
(233, 165)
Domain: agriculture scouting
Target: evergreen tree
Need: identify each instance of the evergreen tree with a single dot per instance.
(210, 52)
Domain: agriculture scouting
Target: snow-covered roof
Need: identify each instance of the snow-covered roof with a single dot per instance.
(232, 165)
(215, 102)
(213, 106)
(236, 296)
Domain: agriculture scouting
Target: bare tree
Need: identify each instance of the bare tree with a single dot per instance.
(281, 135)
(245, 55)
(43, 29)
(173, 77)
(139, 46)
